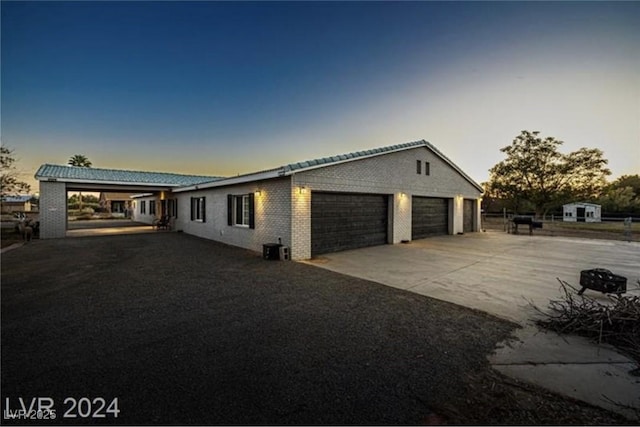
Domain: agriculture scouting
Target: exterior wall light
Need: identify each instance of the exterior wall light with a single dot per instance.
(258, 193)
(303, 190)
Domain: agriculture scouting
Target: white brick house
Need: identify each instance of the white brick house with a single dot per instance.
(386, 195)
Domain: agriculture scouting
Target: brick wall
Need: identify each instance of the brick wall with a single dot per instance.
(146, 217)
(272, 214)
(53, 210)
(394, 174)
(283, 208)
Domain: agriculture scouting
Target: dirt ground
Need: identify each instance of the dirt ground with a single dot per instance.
(188, 331)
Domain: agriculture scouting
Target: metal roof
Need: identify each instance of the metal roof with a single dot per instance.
(66, 173)
(16, 199)
(581, 204)
(326, 161)
(294, 168)
(48, 172)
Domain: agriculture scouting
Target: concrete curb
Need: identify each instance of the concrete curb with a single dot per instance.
(572, 366)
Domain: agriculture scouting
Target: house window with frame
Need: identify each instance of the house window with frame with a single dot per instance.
(198, 211)
(427, 168)
(419, 167)
(240, 210)
(152, 207)
(143, 207)
(172, 208)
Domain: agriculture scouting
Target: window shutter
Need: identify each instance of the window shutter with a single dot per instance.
(193, 213)
(204, 209)
(229, 209)
(252, 211)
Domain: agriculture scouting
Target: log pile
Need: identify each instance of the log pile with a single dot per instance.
(615, 322)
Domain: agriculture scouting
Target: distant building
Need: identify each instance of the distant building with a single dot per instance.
(116, 203)
(12, 204)
(581, 212)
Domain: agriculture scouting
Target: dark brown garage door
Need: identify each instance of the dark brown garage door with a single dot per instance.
(341, 221)
(467, 210)
(429, 217)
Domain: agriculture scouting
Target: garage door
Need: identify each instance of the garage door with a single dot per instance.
(341, 221)
(467, 210)
(429, 217)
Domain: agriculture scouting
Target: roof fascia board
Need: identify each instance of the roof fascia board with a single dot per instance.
(242, 179)
(454, 166)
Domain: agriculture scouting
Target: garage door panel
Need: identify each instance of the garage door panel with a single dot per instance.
(341, 221)
(429, 217)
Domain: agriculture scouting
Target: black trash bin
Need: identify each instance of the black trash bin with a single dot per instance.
(271, 251)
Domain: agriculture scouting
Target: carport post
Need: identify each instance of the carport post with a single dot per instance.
(53, 209)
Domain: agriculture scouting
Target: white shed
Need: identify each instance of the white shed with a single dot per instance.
(581, 212)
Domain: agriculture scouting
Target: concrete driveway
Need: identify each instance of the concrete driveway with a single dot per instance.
(494, 272)
(503, 274)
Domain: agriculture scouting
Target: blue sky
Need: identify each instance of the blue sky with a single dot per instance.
(224, 88)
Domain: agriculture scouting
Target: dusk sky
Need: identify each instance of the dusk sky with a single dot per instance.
(220, 88)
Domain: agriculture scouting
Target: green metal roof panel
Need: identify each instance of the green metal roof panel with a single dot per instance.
(325, 161)
(64, 172)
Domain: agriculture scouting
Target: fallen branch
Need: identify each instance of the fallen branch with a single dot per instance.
(616, 322)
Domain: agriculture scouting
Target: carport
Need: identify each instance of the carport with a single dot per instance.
(56, 181)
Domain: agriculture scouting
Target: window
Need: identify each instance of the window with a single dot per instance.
(172, 209)
(198, 209)
(143, 207)
(419, 167)
(152, 207)
(240, 210)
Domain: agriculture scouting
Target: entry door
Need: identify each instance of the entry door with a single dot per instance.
(580, 213)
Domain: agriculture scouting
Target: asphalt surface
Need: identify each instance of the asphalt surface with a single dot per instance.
(189, 331)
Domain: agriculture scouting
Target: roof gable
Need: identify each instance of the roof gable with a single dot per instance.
(294, 168)
(358, 155)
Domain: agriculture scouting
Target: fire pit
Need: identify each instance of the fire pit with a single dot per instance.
(603, 280)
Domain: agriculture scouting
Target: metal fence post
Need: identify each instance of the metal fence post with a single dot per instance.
(627, 228)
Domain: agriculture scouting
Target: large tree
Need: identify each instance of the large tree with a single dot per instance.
(11, 183)
(535, 171)
(622, 195)
(82, 161)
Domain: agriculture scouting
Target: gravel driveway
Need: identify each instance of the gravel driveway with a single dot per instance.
(188, 331)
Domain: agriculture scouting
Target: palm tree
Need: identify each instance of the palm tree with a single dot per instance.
(81, 161)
